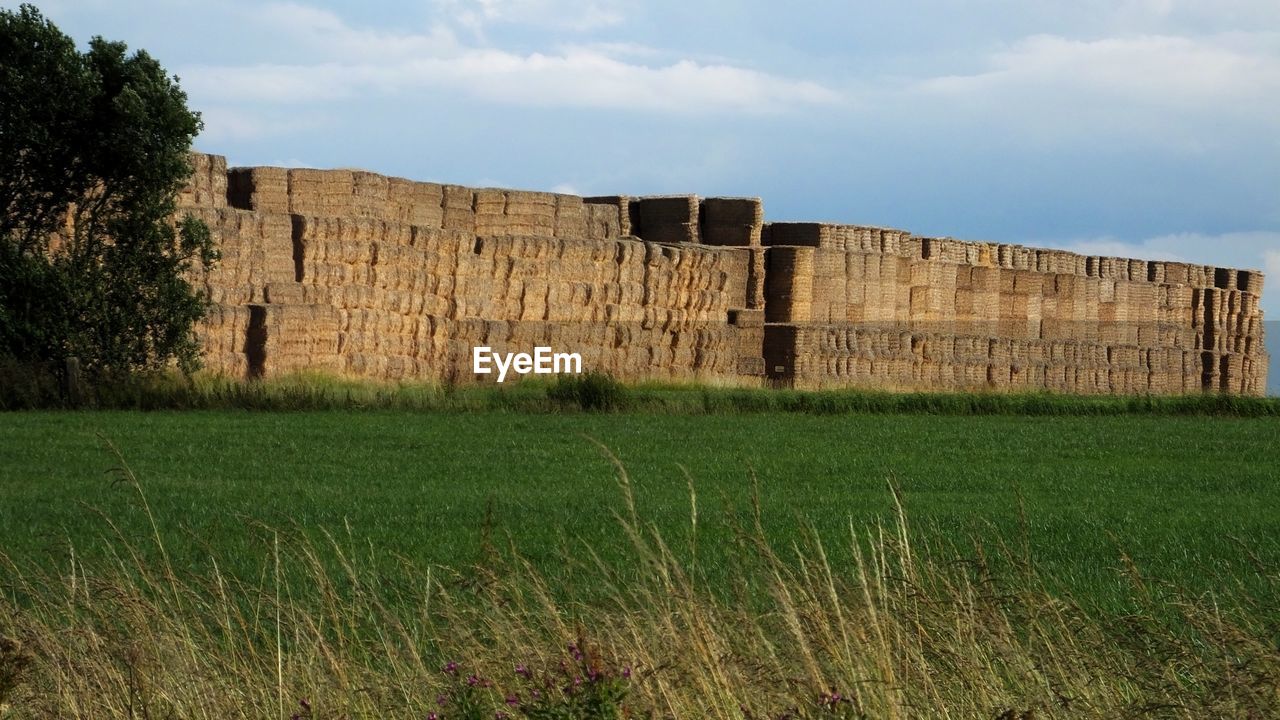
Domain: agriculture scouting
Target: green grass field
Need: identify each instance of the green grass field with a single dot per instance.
(1192, 500)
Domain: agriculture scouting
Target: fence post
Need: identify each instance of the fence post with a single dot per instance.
(73, 383)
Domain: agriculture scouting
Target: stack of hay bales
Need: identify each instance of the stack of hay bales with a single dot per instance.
(512, 212)
(420, 204)
(639, 309)
(667, 219)
(261, 189)
(458, 209)
(789, 284)
(571, 218)
(608, 216)
(735, 222)
(798, 235)
(255, 250)
(1048, 319)
(294, 337)
(222, 334)
(370, 195)
(391, 278)
(208, 185)
(324, 193)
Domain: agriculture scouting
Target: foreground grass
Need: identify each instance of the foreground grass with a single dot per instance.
(1191, 499)
(593, 392)
(898, 629)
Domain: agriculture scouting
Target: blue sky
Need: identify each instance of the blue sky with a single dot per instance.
(1130, 127)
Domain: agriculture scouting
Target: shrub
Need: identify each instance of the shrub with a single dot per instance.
(593, 391)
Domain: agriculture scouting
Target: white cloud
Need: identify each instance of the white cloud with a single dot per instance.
(347, 63)
(615, 49)
(229, 123)
(1158, 87)
(1191, 15)
(575, 15)
(325, 35)
(1163, 70)
(575, 79)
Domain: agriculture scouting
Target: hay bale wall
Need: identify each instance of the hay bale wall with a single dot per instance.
(368, 276)
(881, 308)
(360, 274)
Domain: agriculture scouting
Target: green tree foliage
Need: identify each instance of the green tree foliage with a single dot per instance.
(93, 151)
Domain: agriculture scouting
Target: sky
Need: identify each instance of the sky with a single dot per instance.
(1146, 128)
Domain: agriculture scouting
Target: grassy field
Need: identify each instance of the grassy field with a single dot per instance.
(356, 564)
(1192, 500)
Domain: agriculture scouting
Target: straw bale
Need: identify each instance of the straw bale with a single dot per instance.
(666, 219)
(264, 189)
(732, 221)
(1251, 282)
(801, 234)
(571, 220)
(458, 207)
(612, 211)
(789, 284)
(207, 187)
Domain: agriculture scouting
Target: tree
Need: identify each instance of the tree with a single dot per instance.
(93, 151)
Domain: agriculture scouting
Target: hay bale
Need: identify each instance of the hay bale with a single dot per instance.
(207, 187)
(796, 234)
(732, 221)
(262, 189)
(789, 284)
(666, 219)
(613, 211)
(570, 217)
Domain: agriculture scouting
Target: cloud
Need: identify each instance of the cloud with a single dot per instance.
(580, 78)
(348, 63)
(1191, 15)
(575, 15)
(225, 123)
(1158, 87)
(1162, 70)
(615, 49)
(325, 35)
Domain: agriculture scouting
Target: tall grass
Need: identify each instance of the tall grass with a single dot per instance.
(901, 630)
(596, 392)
